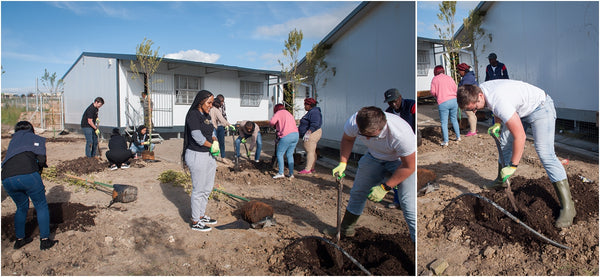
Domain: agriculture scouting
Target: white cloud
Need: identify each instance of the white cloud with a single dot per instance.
(194, 55)
(316, 26)
(34, 58)
(82, 8)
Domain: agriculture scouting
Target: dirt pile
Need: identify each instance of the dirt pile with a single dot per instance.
(380, 254)
(538, 208)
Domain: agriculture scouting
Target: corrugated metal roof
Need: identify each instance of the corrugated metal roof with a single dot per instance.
(131, 57)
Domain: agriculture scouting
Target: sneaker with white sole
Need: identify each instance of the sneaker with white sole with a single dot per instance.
(207, 220)
(199, 226)
(278, 176)
(113, 167)
(444, 144)
(124, 166)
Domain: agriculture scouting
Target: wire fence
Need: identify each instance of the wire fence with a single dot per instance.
(44, 111)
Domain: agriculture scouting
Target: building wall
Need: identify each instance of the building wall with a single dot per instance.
(552, 45)
(91, 77)
(376, 54)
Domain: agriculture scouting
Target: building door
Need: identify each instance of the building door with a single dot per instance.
(162, 87)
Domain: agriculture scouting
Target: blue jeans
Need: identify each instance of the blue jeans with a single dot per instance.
(542, 121)
(22, 187)
(449, 107)
(370, 173)
(138, 149)
(238, 140)
(91, 141)
(221, 138)
(286, 146)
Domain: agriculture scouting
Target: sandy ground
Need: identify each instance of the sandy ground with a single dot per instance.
(152, 235)
(463, 167)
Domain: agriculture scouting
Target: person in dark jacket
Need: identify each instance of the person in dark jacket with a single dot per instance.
(468, 78)
(404, 108)
(24, 161)
(118, 154)
(495, 70)
(141, 141)
(310, 131)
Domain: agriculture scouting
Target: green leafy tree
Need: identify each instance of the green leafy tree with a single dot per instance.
(316, 66)
(474, 35)
(148, 61)
(51, 83)
(289, 68)
(446, 34)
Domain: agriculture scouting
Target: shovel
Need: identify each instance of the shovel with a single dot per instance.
(236, 166)
(508, 191)
(339, 260)
(121, 193)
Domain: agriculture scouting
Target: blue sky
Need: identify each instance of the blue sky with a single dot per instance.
(52, 35)
(427, 16)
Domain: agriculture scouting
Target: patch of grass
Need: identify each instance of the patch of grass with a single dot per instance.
(50, 174)
(177, 178)
(11, 114)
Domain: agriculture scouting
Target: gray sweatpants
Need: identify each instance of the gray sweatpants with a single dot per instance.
(202, 168)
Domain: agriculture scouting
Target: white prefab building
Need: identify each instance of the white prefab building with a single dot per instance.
(249, 93)
(550, 44)
(372, 50)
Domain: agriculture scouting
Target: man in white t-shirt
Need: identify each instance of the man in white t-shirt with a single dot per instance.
(391, 149)
(516, 106)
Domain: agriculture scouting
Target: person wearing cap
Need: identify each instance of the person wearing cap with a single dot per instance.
(287, 139)
(517, 106)
(495, 70)
(443, 88)
(389, 162)
(310, 132)
(468, 78)
(118, 154)
(404, 108)
(220, 123)
(200, 148)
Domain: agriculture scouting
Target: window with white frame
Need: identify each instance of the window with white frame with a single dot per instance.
(250, 93)
(422, 62)
(186, 88)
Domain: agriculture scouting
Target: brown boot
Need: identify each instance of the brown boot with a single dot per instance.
(347, 226)
(567, 211)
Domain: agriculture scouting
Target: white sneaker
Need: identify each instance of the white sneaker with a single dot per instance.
(113, 167)
(444, 144)
(458, 139)
(124, 166)
(278, 176)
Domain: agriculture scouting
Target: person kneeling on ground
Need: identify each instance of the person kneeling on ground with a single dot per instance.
(118, 155)
(391, 146)
(249, 130)
(141, 142)
(516, 106)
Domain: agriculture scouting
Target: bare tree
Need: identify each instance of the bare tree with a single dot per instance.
(474, 35)
(289, 68)
(446, 34)
(317, 67)
(148, 61)
(50, 83)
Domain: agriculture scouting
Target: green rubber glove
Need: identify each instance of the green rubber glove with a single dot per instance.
(377, 193)
(494, 130)
(249, 153)
(340, 170)
(232, 128)
(507, 171)
(97, 132)
(243, 140)
(214, 149)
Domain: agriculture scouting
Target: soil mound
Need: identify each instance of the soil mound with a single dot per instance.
(81, 166)
(538, 208)
(63, 217)
(380, 254)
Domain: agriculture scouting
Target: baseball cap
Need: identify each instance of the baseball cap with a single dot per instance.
(391, 95)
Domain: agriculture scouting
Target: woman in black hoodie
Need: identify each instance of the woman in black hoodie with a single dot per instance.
(118, 154)
(21, 178)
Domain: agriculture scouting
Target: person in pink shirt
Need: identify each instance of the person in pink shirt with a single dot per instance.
(287, 133)
(443, 88)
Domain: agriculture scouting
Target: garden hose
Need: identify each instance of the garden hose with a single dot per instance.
(338, 248)
(232, 195)
(515, 219)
